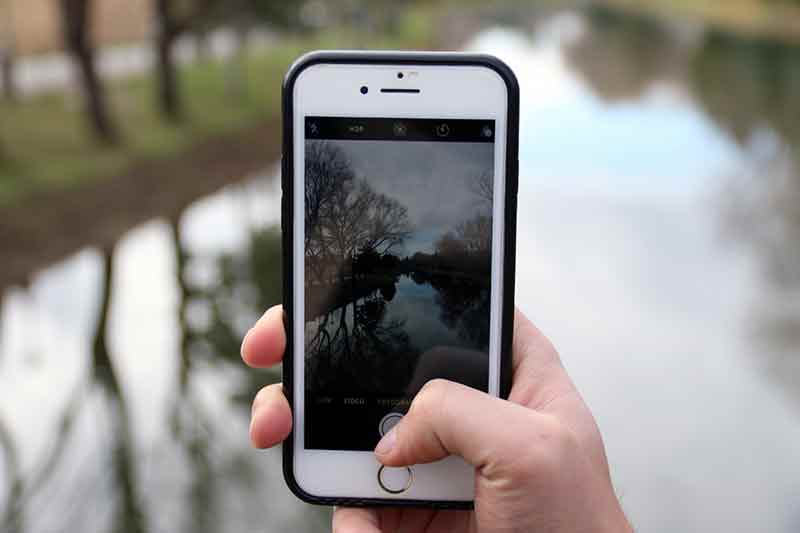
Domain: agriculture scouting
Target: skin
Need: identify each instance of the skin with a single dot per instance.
(540, 464)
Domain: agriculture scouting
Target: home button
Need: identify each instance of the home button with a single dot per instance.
(395, 480)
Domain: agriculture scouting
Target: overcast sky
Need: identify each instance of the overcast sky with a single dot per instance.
(431, 179)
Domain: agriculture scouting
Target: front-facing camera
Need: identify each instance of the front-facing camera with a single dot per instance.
(364, 89)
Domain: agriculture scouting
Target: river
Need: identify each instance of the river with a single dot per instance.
(659, 248)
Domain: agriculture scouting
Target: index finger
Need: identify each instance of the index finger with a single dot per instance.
(530, 346)
(539, 376)
(264, 344)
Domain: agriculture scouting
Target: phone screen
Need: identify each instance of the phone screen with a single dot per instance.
(397, 268)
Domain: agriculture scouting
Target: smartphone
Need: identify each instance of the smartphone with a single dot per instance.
(399, 179)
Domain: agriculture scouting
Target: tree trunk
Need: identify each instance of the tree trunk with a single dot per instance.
(168, 94)
(7, 48)
(7, 74)
(202, 45)
(95, 98)
(76, 34)
(236, 64)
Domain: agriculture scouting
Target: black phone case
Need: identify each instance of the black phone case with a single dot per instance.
(287, 203)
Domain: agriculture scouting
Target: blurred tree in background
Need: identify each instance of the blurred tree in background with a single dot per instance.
(175, 18)
(76, 26)
(169, 26)
(7, 84)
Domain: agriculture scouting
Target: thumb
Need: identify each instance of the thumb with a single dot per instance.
(447, 418)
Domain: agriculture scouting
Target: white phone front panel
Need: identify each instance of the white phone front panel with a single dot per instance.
(332, 90)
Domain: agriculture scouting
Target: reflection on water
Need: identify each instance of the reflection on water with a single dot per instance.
(122, 389)
(621, 57)
(658, 245)
(371, 354)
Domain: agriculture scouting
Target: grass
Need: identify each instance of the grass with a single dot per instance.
(45, 142)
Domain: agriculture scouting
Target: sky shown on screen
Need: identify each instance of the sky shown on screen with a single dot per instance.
(431, 179)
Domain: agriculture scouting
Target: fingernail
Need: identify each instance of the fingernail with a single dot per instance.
(387, 443)
(253, 410)
(265, 315)
(244, 342)
(252, 419)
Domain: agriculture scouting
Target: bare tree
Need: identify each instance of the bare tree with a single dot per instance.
(483, 188)
(76, 25)
(327, 169)
(449, 245)
(167, 31)
(470, 237)
(344, 215)
(177, 17)
(476, 234)
(7, 73)
(7, 82)
(7, 51)
(387, 224)
(173, 19)
(360, 219)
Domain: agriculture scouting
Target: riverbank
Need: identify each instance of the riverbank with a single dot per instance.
(778, 20)
(51, 225)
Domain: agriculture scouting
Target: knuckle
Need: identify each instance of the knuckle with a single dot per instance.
(549, 445)
(558, 434)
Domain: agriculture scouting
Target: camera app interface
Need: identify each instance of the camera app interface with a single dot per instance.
(397, 268)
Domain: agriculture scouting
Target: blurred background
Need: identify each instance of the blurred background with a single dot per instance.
(659, 245)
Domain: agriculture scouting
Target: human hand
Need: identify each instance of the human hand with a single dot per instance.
(540, 463)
